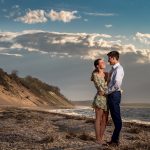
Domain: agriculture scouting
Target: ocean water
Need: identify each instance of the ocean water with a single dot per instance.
(129, 114)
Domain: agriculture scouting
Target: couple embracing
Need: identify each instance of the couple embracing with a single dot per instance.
(108, 97)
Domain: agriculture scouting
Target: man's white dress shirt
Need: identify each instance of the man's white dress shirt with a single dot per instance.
(116, 77)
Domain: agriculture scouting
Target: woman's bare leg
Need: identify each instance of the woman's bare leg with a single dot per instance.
(103, 124)
(98, 113)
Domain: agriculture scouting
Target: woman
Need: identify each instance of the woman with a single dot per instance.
(99, 77)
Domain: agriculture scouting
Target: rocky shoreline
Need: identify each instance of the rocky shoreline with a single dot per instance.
(25, 129)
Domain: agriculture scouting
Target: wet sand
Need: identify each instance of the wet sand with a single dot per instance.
(25, 129)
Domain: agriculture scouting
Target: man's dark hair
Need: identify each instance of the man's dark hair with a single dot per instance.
(113, 54)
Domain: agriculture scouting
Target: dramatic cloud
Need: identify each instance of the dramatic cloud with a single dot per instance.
(108, 25)
(33, 16)
(83, 45)
(65, 16)
(143, 38)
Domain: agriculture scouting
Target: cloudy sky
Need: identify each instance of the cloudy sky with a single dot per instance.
(57, 42)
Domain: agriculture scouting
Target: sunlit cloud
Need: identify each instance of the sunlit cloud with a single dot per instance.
(8, 36)
(64, 16)
(41, 16)
(143, 37)
(33, 16)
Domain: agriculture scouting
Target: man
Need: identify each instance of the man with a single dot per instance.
(114, 94)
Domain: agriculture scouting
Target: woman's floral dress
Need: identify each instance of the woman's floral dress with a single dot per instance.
(101, 86)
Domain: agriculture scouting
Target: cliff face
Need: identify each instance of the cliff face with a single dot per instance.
(29, 92)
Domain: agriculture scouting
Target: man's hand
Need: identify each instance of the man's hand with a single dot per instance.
(101, 93)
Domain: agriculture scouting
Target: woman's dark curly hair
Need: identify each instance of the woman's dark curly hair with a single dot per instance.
(96, 62)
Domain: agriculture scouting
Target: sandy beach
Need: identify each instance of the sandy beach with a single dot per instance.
(27, 129)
